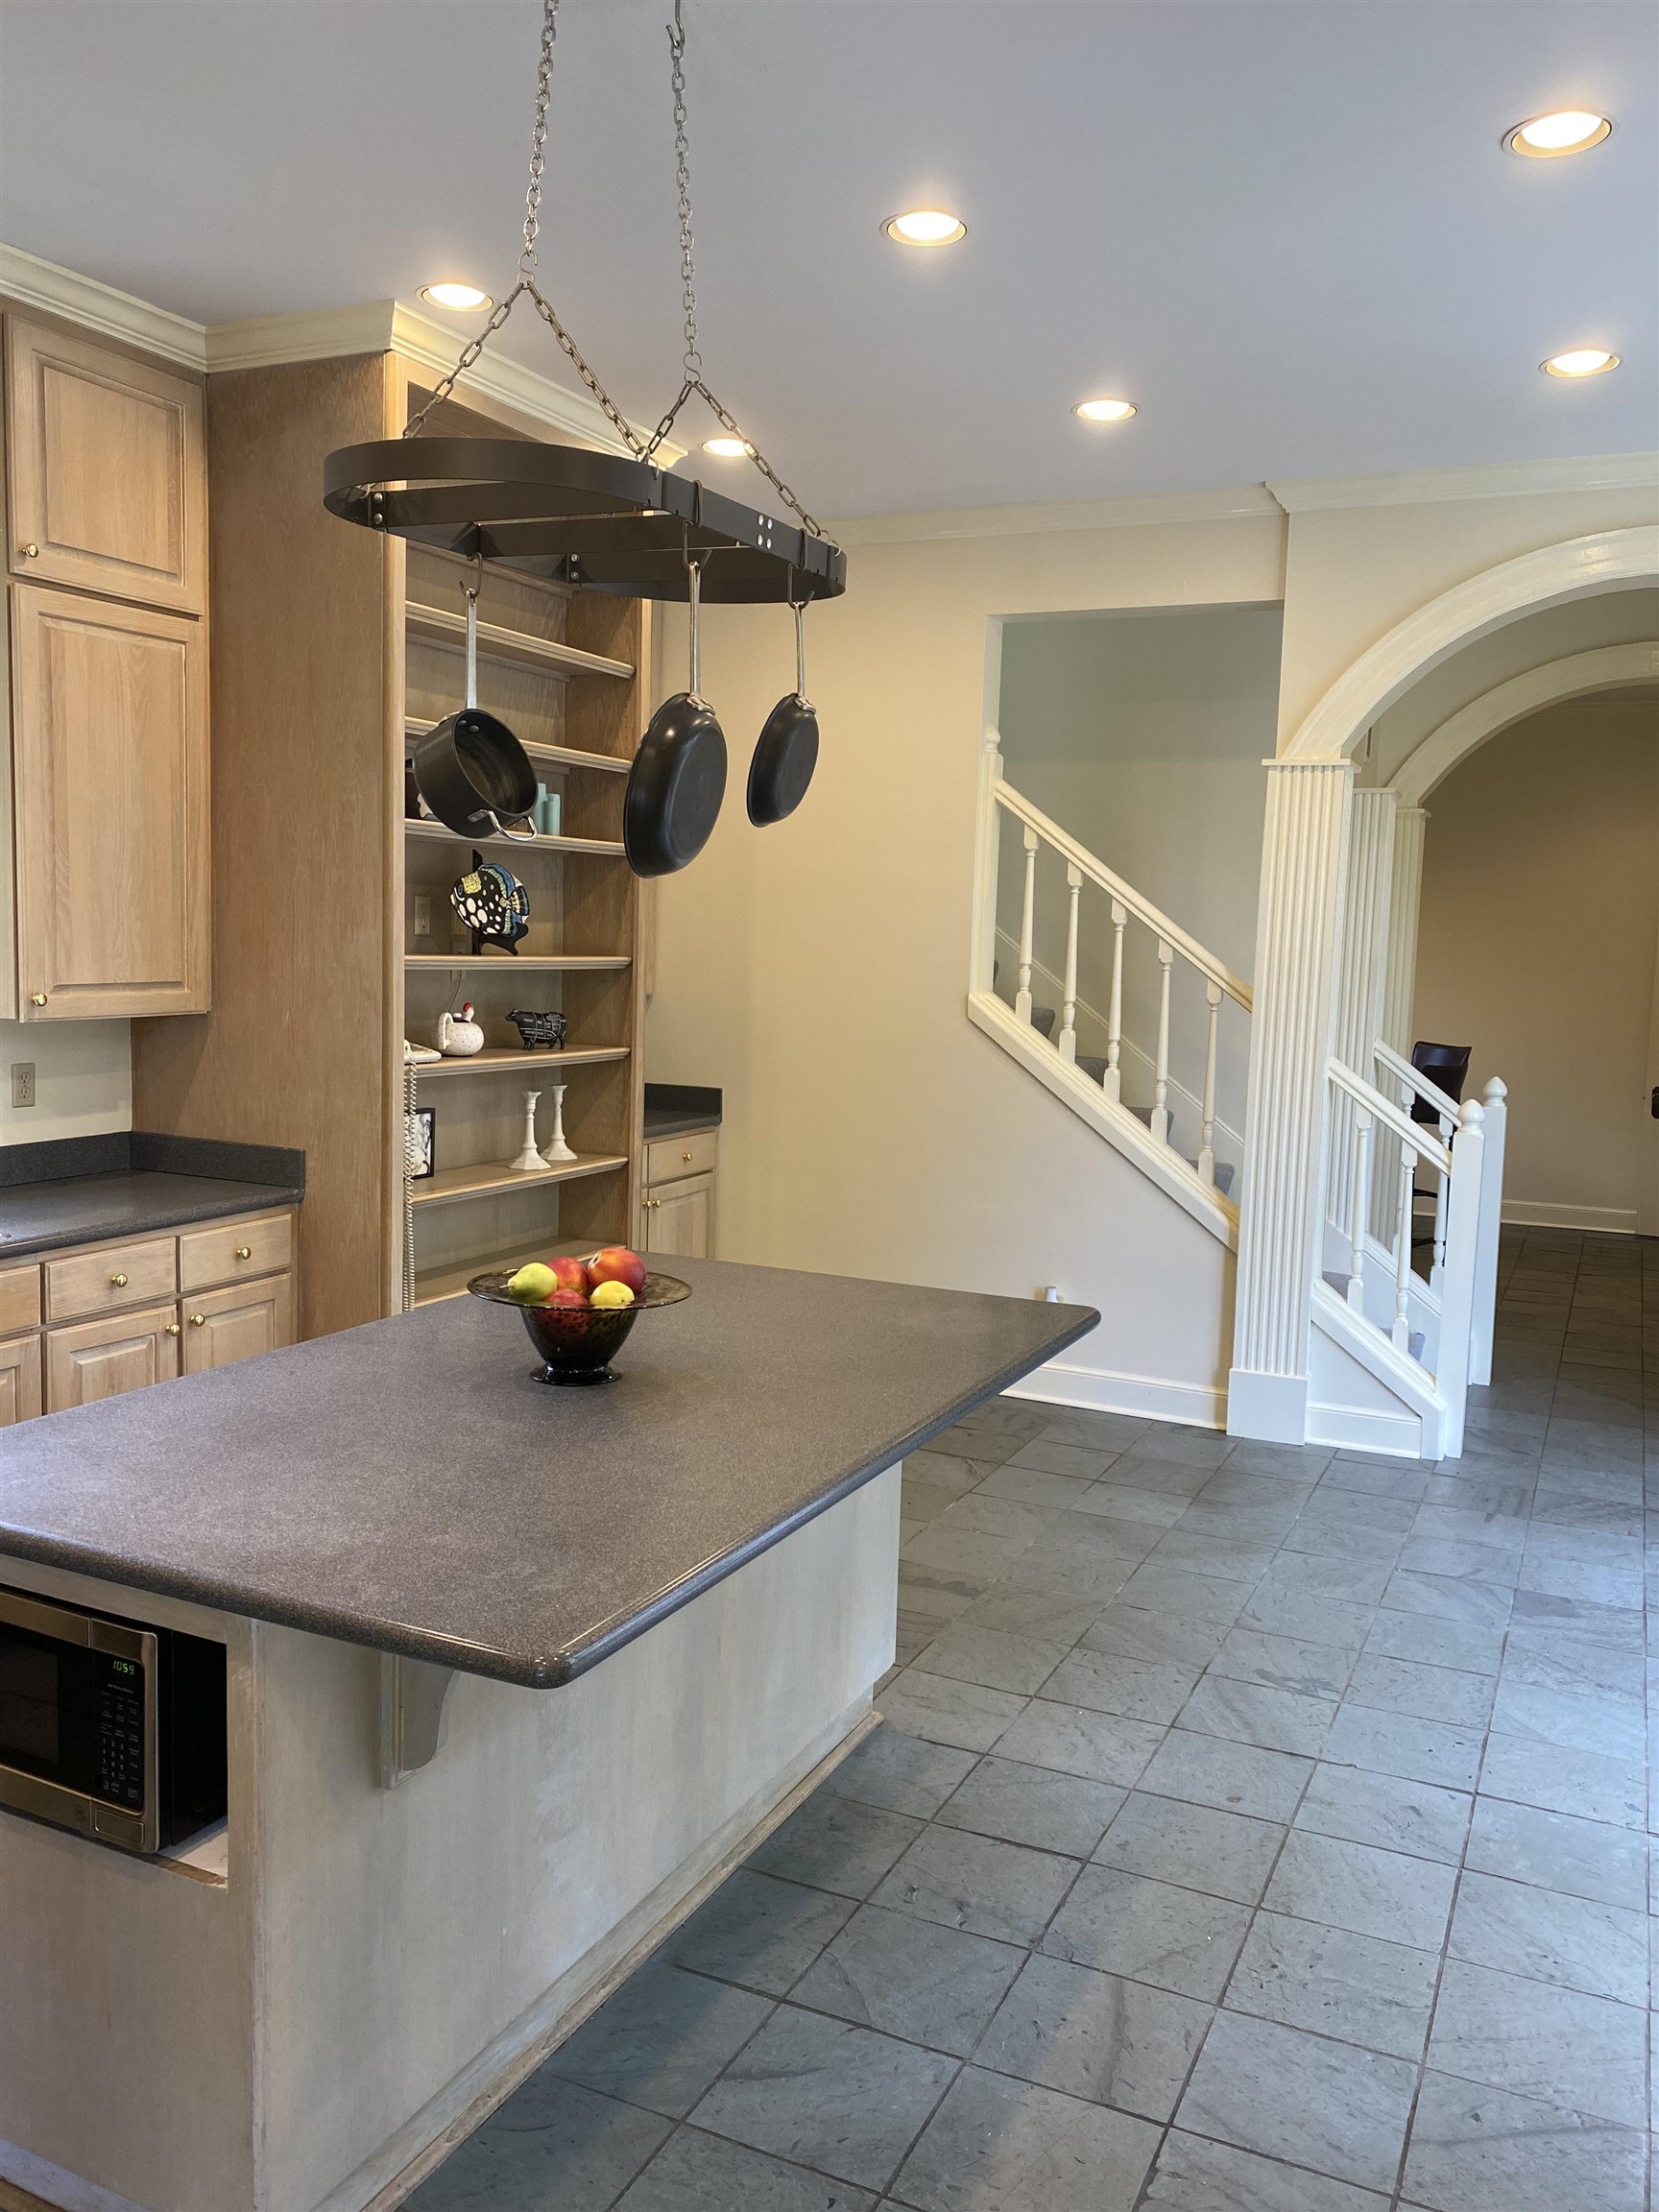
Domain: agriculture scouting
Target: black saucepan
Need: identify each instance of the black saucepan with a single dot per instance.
(678, 779)
(471, 769)
(786, 750)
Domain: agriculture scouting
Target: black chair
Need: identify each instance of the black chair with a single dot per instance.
(1447, 1067)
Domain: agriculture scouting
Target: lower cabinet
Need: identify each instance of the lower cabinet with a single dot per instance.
(680, 1218)
(236, 1323)
(19, 1379)
(116, 1353)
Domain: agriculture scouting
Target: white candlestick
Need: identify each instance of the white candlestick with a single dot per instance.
(558, 1149)
(530, 1162)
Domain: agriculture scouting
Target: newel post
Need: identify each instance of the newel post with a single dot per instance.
(1457, 1286)
(1484, 1307)
(1303, 864)
(982, 968)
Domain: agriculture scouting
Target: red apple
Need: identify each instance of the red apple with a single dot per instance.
(565, 1297)
(570, 1274)
(618, 1264)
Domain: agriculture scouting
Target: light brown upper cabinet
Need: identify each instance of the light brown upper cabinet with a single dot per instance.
(107, 476)
(109, 773)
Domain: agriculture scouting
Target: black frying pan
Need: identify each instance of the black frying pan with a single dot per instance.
(678, 779)
(471, 769)
(786, 750)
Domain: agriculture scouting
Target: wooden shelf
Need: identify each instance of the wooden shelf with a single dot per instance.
(601, 848)
(434, 1284)
(589, 963)
(493, 1176)
(517, 646)
(502, 1059)
(555, 756)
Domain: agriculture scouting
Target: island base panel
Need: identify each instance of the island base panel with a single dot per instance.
(386, 1963)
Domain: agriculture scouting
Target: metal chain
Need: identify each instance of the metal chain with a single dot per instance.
(619, 423)
(467, 357)
(692, 361)
(539, 137)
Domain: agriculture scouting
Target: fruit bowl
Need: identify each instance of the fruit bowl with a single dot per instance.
(576, 1344)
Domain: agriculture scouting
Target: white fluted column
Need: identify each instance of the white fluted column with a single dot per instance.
(1404, 899)
(1304, 866)
(1361, 963)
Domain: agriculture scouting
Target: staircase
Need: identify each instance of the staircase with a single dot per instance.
(1098, 1085)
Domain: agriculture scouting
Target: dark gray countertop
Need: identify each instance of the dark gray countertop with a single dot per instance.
(37, 1217)
(411, 1486)
(677, 1108)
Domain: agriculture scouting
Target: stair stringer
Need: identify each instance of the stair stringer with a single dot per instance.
(1115, 1122)
(1363, 1393)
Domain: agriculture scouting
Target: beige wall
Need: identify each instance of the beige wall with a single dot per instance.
(1539, 921)
(82, 1080)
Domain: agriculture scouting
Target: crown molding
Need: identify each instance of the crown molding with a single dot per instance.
(1243, 502)
(35, 283)
(1501, 480)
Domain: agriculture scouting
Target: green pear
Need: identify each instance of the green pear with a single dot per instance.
(533, 1285)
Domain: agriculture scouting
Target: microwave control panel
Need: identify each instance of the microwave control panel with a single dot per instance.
(120, 1732)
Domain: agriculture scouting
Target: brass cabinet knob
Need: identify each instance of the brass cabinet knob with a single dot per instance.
(653, 1203)
(119, 1282)
(30, 552)
(36, 997)
(172, 1329)
(244, 1251)
(686, 1156)
(197, 1320)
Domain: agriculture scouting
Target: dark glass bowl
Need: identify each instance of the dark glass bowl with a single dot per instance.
(576, 1344)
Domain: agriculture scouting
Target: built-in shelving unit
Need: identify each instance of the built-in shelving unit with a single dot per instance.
(561, 670)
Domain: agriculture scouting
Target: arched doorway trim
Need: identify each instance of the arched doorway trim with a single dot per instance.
(1607, 562)
(1606, 669)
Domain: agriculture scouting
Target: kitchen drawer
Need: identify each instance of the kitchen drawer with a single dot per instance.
(104, 1359)
(19, 1379)
(670, 1158)
(238, 1322)
(113, 1276)
(260, 1245)
(19, 1299)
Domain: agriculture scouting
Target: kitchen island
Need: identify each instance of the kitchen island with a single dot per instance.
(515, 1675)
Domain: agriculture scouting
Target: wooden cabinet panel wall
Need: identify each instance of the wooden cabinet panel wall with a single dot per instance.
(107, 470)
(110, 769)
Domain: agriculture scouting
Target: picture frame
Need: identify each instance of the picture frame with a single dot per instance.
(420, 1142)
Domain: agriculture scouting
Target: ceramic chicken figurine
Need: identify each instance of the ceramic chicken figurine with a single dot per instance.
(459, 1036)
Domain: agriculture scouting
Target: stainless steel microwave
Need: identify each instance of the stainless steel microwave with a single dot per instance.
(108, 1728)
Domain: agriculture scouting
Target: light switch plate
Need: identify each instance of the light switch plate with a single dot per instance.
(22, 1082)
(422, 913)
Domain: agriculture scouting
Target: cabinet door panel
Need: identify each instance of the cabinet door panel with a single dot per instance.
(103, 1359)
(680, 1218)
(237, 1322)
(108, 475)
(109, 755)
(19, 1381)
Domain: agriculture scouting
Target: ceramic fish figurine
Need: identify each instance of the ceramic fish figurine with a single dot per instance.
(458, 1038)
(493, 903)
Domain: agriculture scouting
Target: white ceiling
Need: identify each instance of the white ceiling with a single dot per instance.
(1285, 228)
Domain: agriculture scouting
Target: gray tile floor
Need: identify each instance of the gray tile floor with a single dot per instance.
(1250, 1830)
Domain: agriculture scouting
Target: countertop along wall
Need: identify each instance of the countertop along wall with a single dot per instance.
(1539, 922)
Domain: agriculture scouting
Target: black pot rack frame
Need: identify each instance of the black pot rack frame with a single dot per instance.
(594, 521)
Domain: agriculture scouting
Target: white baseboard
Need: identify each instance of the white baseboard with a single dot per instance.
(1538, 1214)
(1268, 1408)
(1102, 1390)
(1351, 1429)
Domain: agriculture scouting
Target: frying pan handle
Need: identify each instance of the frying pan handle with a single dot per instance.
(800, 606)
(472, 592)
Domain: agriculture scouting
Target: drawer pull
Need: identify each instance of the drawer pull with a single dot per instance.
(197, 1320)
(686, 1156)
(118, 1282)
(36, 997)
(244, 1251)
(172, 1329)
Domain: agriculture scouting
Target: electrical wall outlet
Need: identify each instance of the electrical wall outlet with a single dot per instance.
(22, 1082)
(422, 913)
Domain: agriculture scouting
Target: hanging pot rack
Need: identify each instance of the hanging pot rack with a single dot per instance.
(596, 521)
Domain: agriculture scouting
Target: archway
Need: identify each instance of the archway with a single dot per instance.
(1576, 676)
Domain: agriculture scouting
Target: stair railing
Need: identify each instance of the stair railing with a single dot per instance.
(1037, 831)
(1387, 1142)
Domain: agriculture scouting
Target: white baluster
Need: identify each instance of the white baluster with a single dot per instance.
(1068, 1004)
(1161, 1068)
(1111, 1081)
(1027, 913)
(1402, 1329)
(1442, 1195)
(1361, 1207)
(1207, 1135)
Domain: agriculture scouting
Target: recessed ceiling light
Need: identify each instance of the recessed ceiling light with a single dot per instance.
(727, 448)
(925, 226)
(1581, 361)
(1566, 131)
(460, 299)
(1105, 410)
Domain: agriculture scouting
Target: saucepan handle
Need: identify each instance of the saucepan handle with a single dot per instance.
(523, 830)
